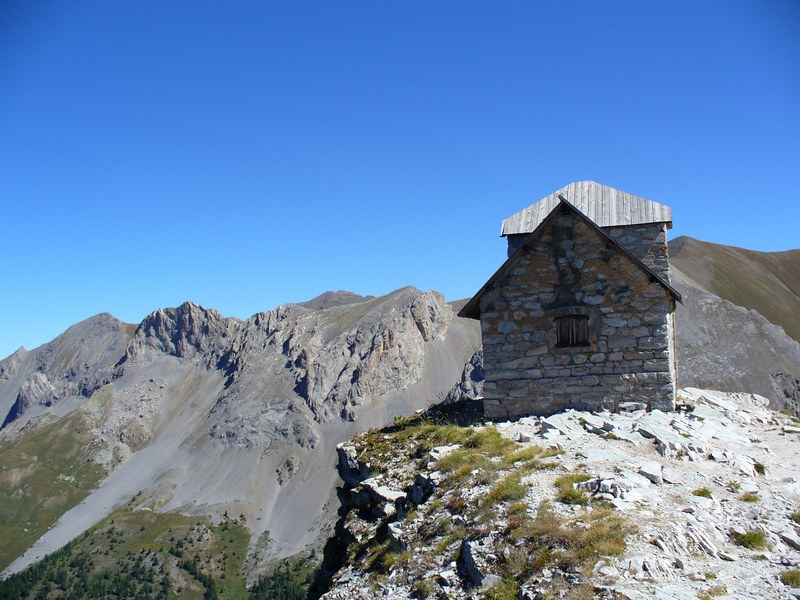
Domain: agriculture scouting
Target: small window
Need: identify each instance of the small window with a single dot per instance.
(572, 330)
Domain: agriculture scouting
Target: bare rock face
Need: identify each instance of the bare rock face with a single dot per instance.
(471, 385)
(724, 346)
(294, 367)
(36, 389)
(431, 314)
(787, 390)
(187, 331)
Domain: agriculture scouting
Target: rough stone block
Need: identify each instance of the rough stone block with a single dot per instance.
(615, 322)
(651, 342)
(655, 365)
(637, 355)
(621, 342)
(506, 326)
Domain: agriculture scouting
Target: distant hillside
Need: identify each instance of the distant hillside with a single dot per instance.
(331, 299)
(768, 282)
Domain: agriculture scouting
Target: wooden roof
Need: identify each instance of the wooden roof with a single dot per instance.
(472, 309)
(603, 205)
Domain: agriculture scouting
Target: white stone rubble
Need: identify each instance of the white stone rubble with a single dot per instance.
(689, 481)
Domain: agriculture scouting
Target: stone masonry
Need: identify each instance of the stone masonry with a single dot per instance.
(574, 268)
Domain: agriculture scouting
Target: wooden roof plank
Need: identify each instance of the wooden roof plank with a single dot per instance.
(605, 206)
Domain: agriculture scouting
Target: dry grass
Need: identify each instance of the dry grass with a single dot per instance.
(495, 468)
(791, 578)
(767, 282)
(550, 540)
(713, 592)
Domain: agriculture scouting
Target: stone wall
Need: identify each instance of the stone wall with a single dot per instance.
(647, 242)
(570, 270)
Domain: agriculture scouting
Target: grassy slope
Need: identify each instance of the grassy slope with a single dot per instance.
(144, 553)
(533, 537)
(41, 477)
(768, 282)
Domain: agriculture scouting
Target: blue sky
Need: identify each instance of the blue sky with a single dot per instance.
(243, 155)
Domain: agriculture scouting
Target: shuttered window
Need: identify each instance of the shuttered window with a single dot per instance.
(572, 330)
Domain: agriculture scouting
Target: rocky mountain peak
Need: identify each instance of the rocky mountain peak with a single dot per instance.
(8, 366)
(187, 331)
(74, 364)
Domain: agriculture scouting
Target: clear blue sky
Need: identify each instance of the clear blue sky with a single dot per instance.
(246, 154)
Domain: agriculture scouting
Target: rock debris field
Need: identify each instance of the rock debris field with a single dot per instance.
(712, 494)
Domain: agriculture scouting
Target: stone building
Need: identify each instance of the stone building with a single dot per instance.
(581, 314)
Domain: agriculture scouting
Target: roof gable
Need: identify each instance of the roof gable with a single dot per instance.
(472, 310)
(605, 206)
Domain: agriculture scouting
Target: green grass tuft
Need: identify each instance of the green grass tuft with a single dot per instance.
(508, 488)
(791, 578)
(703, 492)
(508, 589)
(753, 539)
(567, 494)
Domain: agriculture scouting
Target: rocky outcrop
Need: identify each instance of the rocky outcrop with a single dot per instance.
(351, 470)
(36, 389)
(787, 391)
(188, 331)
(471, 385)
(712, 491)
(326, 363)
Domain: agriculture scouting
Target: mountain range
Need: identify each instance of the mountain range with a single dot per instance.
(238, 421)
